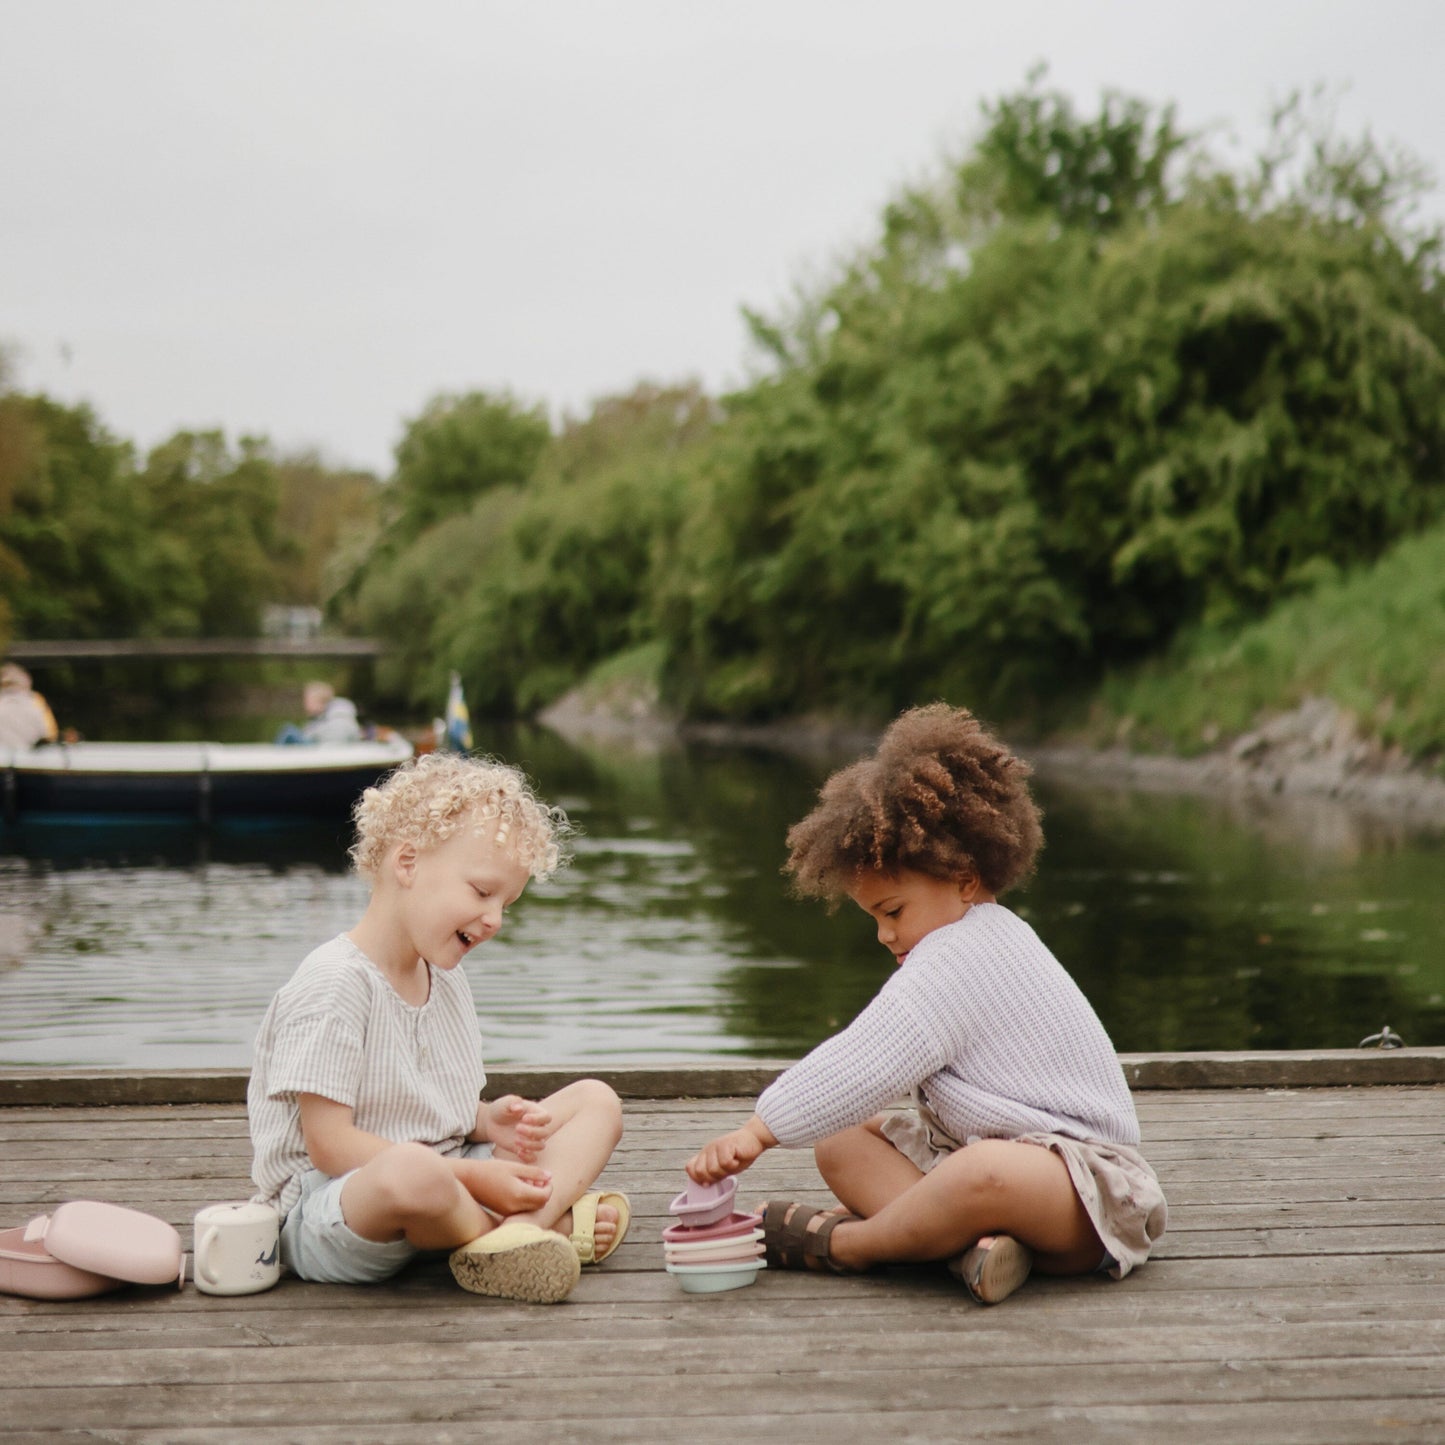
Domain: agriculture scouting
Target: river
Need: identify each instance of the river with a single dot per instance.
(1190, 923)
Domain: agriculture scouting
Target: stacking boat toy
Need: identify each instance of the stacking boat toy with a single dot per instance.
(711, 1248)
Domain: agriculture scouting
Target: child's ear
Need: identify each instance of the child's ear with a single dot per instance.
(403, 864)
(968, 887)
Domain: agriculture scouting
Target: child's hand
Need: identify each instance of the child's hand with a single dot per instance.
(506, 1186)
(518, 1128)
(730, 1154)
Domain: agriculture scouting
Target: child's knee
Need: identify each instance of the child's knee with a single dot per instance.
(985, 1172)
(413, 1181)
(591, 1104)
(603, 1106)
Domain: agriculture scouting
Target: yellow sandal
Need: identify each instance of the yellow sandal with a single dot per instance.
(584, 1224)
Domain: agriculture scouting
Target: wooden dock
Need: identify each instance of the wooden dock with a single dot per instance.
(166, 649)
(1298, 1296)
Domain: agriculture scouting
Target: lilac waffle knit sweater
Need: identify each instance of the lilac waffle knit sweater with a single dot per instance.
(985, 1023)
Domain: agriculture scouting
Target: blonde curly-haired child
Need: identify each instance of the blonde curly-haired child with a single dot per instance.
(368, 1128)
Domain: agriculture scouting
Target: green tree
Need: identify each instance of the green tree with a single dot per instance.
(73, 556)
(212, 510)
(323, 516)
(194, 542)
(1037, 157)
(1087, 389)
(526, 586)
(460, 447)
(571, 574)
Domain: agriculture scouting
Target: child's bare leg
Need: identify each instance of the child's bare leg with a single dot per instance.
(863, 1169)
(996, 1186)
(409, 1191)
(589, 1128)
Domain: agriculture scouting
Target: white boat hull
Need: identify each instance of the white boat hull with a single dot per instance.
(198, 780)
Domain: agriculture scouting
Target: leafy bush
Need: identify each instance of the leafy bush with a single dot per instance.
(1013, 446)
(535, 580)
(1088, 392)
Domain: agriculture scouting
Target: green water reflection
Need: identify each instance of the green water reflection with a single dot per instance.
(1189, 923)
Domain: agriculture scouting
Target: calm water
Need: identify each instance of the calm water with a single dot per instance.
(1188, 924)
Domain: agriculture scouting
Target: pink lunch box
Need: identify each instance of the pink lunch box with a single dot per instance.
(85, 1248)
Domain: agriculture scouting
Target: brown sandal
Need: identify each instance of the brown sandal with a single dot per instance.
(793, 1237)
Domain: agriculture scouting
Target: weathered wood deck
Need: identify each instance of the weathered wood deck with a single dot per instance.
(1299, 1296)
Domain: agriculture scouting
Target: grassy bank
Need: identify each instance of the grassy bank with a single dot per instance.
(1373, 642)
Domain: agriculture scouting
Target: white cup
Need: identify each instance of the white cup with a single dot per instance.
(238, 1248)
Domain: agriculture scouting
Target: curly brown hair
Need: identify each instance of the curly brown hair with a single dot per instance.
(939, 795)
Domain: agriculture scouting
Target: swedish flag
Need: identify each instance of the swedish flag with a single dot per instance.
(458, 719)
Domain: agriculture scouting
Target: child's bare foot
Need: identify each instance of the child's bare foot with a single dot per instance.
(604, 1232)
(596, 1224)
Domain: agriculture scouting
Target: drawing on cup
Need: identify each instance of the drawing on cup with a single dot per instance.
(237, 1248)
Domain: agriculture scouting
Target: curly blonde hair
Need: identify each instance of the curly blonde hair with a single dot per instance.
(940, 795)
(430, 798)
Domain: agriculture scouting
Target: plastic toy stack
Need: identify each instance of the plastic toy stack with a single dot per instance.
(711, 1248)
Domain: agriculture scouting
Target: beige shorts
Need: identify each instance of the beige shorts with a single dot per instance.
(1119, 1191)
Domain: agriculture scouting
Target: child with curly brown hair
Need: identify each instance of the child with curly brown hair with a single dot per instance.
(371, 1137)
(1020, 1151)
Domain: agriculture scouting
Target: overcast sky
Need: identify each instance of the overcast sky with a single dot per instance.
(304, 218)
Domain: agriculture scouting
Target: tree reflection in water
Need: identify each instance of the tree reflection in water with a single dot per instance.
(1190, 922)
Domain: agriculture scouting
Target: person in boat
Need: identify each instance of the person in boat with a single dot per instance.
(1021, 1148)
(329, 719)
(370, 1136)
(25, 716)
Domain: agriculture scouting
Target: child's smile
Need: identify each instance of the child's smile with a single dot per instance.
(458, 895)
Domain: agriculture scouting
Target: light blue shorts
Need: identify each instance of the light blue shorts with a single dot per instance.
(317, 1243)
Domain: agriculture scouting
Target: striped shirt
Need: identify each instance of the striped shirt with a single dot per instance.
(983, 1021)
(337, 1028)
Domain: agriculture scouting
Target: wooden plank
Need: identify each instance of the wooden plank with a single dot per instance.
(158, 648)
(1295, 1068)
(1292, 1190)
(84, 1087)
(1157, 1111)
(1327, 1423)
(1277, 1307)
(795, 1379)
(596, 1312)
(1243, 1069)
(731, 1347)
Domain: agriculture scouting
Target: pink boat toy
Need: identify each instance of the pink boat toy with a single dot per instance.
(702, 1204)
(729, 1228)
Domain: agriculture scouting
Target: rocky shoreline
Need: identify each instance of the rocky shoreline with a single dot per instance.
(1312, 754)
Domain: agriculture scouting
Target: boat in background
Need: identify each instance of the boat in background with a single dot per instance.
(205, 782)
